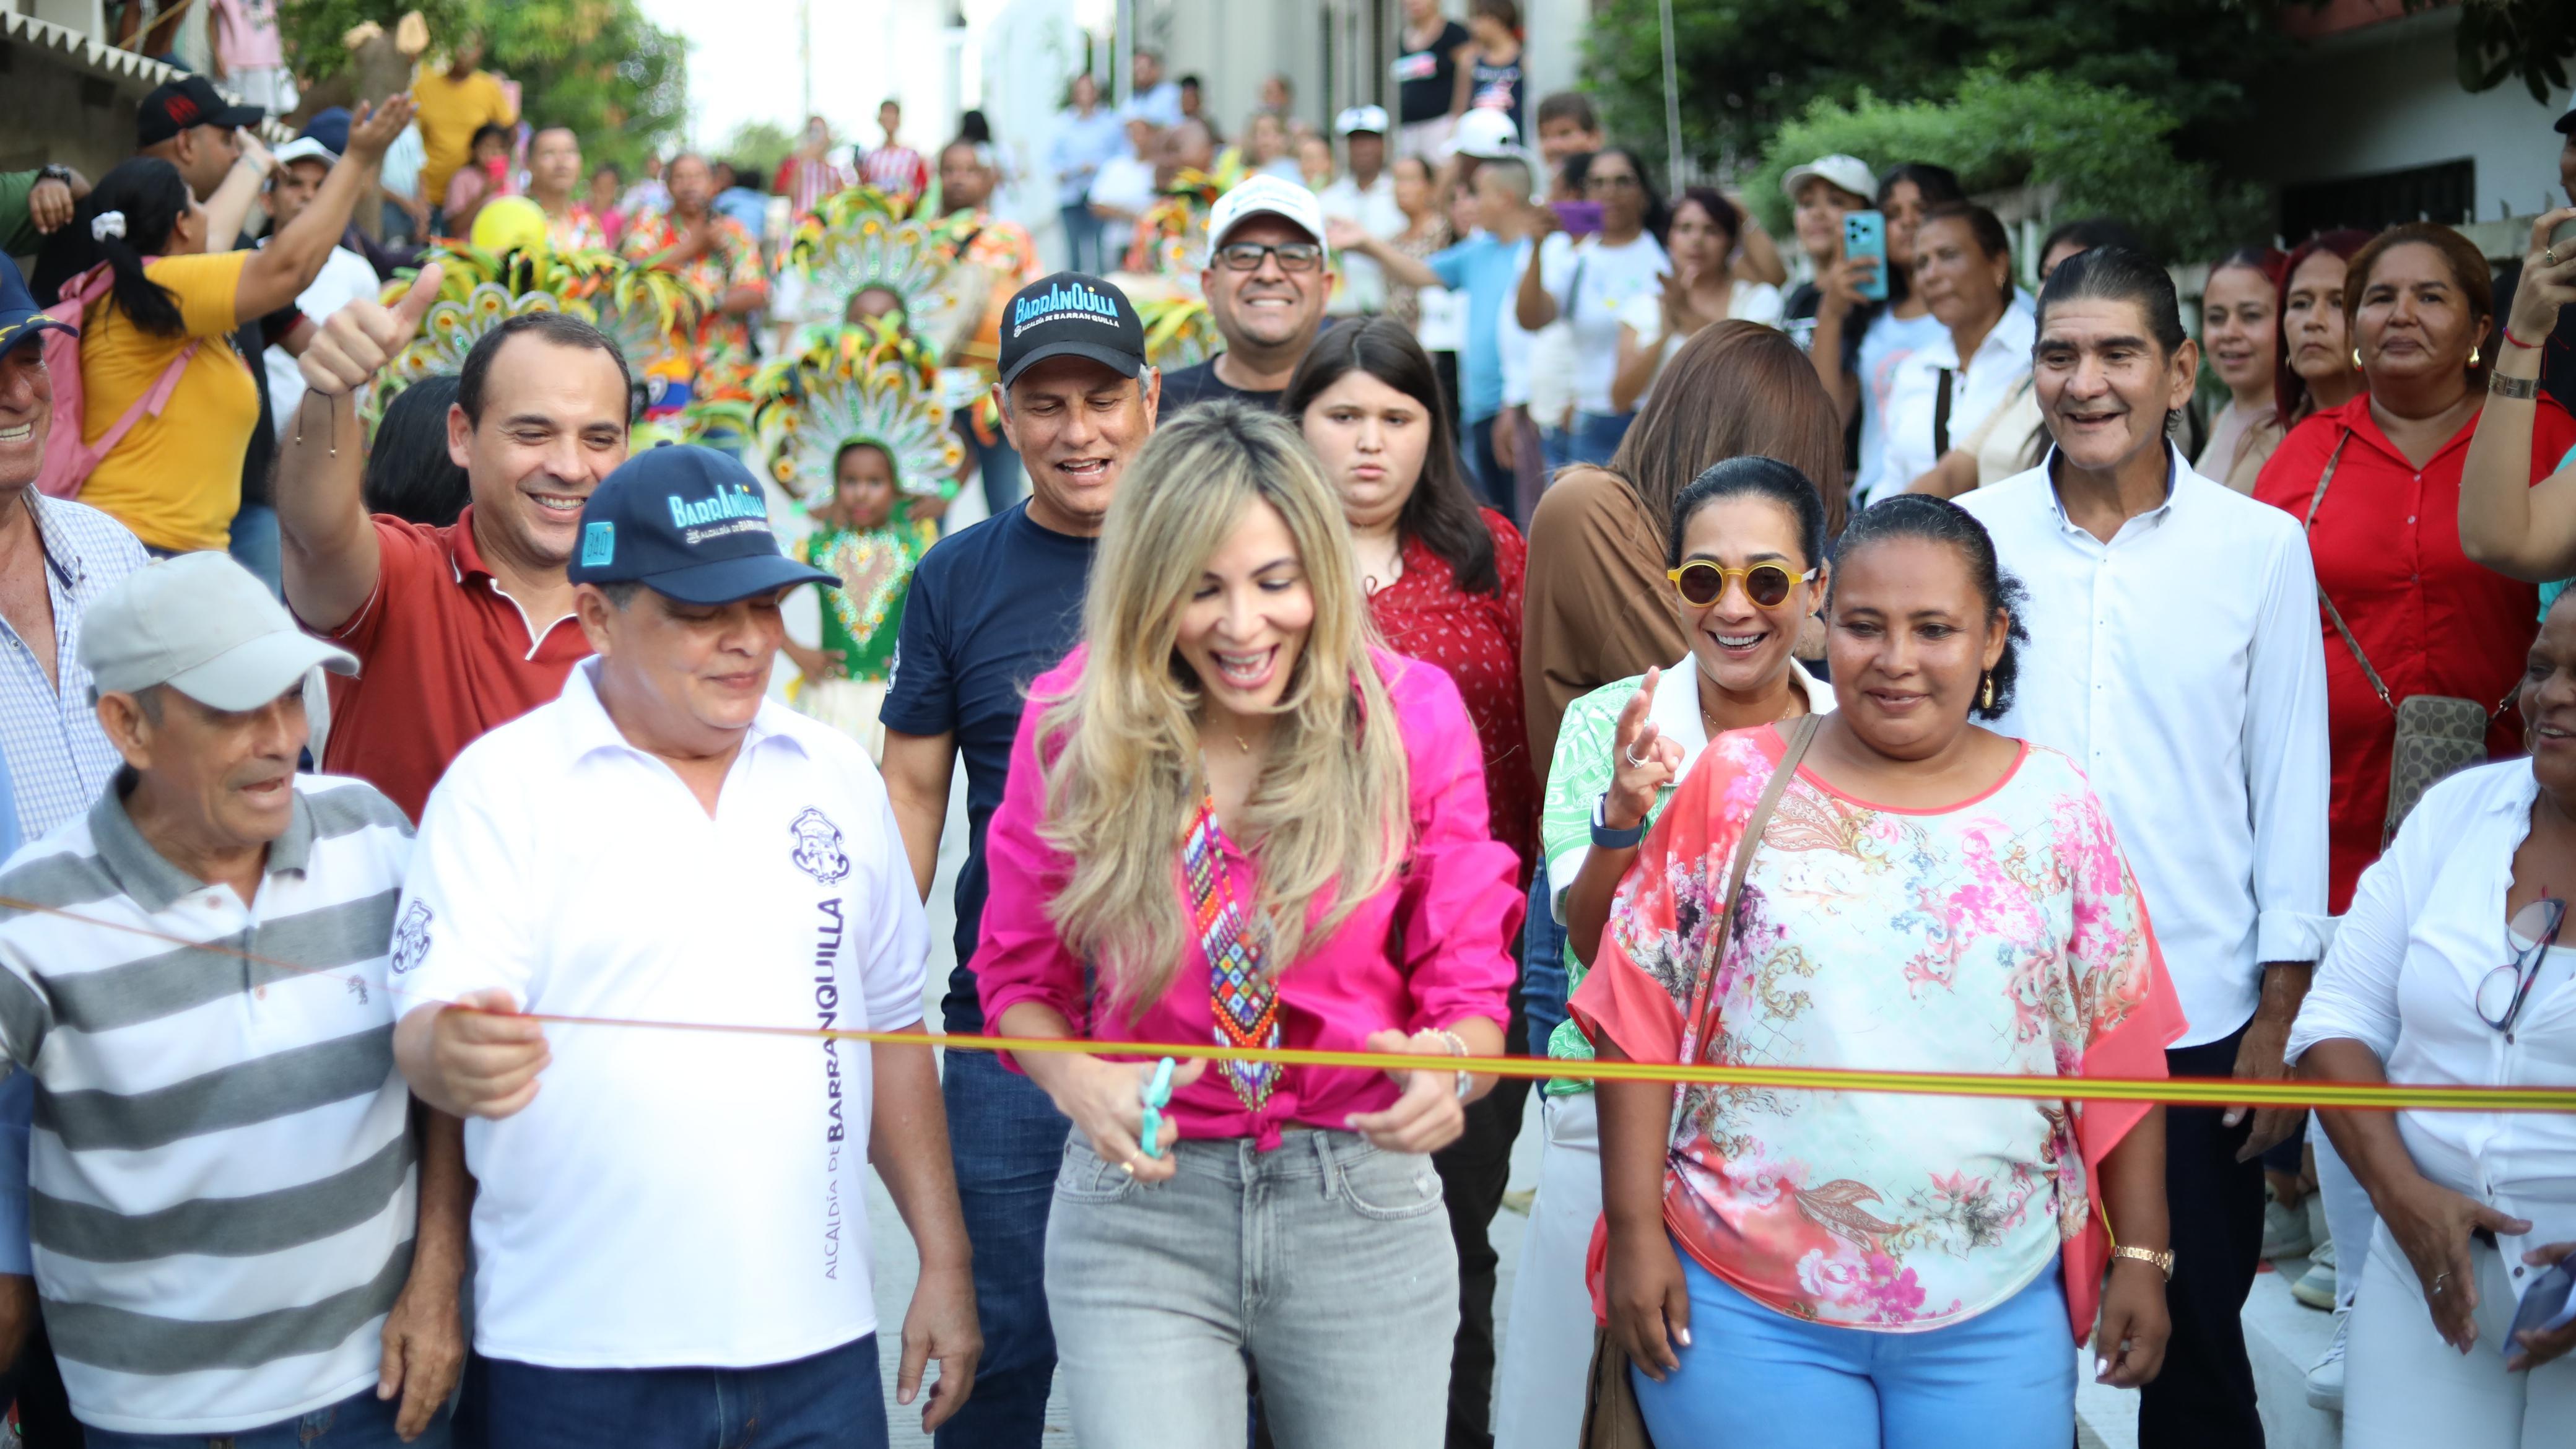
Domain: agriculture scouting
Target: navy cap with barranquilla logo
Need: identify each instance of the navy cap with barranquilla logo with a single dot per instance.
(690, 524)
(1071, 314)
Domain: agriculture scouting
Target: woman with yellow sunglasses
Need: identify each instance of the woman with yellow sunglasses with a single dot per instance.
(1745, 556)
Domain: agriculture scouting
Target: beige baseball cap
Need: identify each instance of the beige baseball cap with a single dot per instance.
(205, 626)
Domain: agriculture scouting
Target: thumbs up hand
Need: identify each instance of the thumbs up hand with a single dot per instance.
(1642, 760)
(355, 343)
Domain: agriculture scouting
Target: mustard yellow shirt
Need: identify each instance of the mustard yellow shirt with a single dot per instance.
(175, 479)
(448, 110)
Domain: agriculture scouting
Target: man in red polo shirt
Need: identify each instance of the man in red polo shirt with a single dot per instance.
(461, 628)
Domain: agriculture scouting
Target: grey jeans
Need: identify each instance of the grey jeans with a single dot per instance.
(1325, 1264)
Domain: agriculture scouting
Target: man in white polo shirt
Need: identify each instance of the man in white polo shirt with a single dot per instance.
(231, 1239)
(671, 1233)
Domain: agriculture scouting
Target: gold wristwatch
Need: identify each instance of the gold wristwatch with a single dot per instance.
(2164, 1261)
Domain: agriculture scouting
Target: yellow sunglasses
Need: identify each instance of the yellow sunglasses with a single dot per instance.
(1703, 583)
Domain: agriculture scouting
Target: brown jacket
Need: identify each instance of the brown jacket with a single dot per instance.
(1598, 606)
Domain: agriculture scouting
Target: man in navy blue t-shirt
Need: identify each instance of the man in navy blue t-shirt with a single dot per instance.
(991, 609)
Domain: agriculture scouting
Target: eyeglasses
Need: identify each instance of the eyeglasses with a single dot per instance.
(1293, 256)
(2501, 994)
(1703, 583)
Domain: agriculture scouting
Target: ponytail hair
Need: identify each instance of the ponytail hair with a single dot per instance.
(144, 201)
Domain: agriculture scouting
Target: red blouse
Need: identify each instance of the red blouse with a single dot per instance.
(2387, 549)
(1476, 639)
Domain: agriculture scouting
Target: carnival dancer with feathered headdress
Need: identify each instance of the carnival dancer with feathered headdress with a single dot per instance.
(853, 427)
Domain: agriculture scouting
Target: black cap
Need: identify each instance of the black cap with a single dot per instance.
(1071, 314)
(20, 318)
(2567, 120)
(689, 523)
(191, 100)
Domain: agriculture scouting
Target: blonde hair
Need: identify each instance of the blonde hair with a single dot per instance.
(1329, 817)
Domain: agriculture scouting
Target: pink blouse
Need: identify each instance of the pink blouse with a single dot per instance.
(1430, 950)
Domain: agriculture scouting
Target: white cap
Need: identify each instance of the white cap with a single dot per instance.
(305, 148)
(1850, 173)
(1261, 194)
(203, 625)
(1361, 118)
(1484, 133)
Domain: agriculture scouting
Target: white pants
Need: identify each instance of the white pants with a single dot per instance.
(2404, 1388)
(2350, 1219)
(1547, 1345)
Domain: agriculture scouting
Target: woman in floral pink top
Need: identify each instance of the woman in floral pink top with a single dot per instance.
(1831, 1268)
(1230, 819)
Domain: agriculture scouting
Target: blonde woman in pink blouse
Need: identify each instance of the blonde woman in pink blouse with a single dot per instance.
(1231, 819)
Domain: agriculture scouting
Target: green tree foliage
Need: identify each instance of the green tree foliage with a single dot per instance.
(2102, 151)
(1748, 67)
(755, 148)
(598, 66)
(2533, 39)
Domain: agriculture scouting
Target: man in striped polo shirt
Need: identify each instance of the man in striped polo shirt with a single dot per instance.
(231, 1239)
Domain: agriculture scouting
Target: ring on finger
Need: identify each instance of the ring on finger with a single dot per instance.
(2439, 1279)
(1630, 755)
(1129, 1166)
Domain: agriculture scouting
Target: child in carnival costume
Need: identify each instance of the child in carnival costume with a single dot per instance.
(854, 429)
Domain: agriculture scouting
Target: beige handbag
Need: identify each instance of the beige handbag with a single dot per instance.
(1611, 1419)
(2437, 734)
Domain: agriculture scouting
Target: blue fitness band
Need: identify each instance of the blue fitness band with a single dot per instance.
(1605, 838)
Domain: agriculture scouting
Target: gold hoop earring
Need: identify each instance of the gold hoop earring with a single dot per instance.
(2473, 357)
(2356, 359)
(1988, 699)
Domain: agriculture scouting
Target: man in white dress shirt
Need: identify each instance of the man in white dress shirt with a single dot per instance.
(2175, 655)
(674, 1230)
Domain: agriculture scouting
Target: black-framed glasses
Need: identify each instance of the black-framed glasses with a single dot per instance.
(1293, 256)
(2501, 994)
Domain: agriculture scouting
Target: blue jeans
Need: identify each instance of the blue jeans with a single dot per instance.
(255, 545)
(1543, 988)
(1597, 435)
(832, 1400)
(1753, 1378)
(1081, 239)
(360, 1421)
(1007, 1140)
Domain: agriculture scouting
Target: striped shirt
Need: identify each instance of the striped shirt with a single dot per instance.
(896, 170)
(59, 759)
(222, 1190)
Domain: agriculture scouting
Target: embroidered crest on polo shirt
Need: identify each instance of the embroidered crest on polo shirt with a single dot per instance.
(598, 545)
(411, 939)
(818, 850)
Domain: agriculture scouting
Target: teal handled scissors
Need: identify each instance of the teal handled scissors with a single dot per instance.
(1158, 1095)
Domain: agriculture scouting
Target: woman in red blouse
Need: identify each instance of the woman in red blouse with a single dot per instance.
(1443, 578)
(2383, 527)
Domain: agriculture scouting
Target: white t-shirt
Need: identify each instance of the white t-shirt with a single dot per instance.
(1124, 184)
(1884, 348)
(1363, 288)
(1591, 284)
(1644, 315)
(669, 1199)
(344, 278)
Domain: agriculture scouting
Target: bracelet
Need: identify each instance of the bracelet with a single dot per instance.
(2514, 341)
(1605, 838)
(2163, 1262)
(2523, 388)
(1457, 1048)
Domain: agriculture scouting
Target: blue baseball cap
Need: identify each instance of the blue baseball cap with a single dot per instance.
(330, 127)
(20, 318)
(690, 524)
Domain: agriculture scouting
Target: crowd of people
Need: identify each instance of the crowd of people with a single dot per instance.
(1536, 614)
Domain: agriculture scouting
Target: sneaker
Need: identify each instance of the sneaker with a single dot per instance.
(2316, 1287)
(1519, 1200)
(2285, 1230)
(2320, 1233)
(2323, 1252)
(2325, 1376)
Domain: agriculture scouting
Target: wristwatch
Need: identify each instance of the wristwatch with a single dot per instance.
(2164, 1261)
(1605, 838)
(55, 172)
